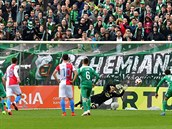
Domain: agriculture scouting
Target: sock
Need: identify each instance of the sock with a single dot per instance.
(9, 104)
(89, 103)
(164, 105)
(72, 105)
(63, 106)
(17, 99)
(2, 106)
(84, 103)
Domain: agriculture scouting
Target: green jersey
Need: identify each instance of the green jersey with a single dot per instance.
(1, 75)
(168, 79)
(87, 74)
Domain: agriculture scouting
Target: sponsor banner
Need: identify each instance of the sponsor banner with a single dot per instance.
(40, 97)
(143, 98)
(140, 98)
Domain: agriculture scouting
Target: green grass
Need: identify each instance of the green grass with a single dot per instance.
(100, 119)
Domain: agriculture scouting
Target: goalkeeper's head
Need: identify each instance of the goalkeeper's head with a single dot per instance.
(167, 72)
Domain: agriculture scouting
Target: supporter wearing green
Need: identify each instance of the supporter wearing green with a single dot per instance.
(167, 78)
(86, 74)
(2, 92)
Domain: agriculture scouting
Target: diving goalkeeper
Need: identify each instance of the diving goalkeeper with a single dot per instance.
(110, 91)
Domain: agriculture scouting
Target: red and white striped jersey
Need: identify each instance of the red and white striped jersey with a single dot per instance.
(12, 75)
(65, 70)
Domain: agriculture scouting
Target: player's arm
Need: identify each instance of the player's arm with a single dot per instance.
(2, 77)
(97, 76)
(159, 84)
(16, 73)
(55, 74)
(75, 76)
(3, 81)
(118, 95)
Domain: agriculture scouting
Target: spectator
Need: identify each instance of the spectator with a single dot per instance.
(91, 30)
(29, 31)
(18, 36)
(106, 36)
(74, 16)
(64, 25)
(155, 35)
(69, 34)
(139, 32)
(119, 39)
(128, 36)
(147, 26)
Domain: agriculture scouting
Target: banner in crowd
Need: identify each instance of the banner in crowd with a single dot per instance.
(37, 62)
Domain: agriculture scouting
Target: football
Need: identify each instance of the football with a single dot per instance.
(114, 105)
(138, 81)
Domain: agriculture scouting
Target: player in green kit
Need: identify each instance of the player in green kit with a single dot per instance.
(167, 78)
(86, 74)
(2, 92)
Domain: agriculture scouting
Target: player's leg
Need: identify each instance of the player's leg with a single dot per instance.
(62, 95)
(84, 99)
(89, 100)
(96, 101)
(69, 94)
(79, 103)
(168, 94)
(18, 92)
(2, 96)
(164, 106)
(9, 93)
(2, 107)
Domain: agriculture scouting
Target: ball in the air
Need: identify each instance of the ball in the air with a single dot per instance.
(138, 81)
(114, 105)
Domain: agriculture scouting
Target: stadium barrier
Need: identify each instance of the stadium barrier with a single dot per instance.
(41, 97)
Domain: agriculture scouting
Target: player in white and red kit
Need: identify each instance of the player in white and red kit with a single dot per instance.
(12, 84)
(65, 69)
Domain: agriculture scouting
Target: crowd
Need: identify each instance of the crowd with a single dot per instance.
(93, 20)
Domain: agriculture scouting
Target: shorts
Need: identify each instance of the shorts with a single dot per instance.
(168, 93)
(2, 92)
(65, 90)
(13, 89)
(86, 92)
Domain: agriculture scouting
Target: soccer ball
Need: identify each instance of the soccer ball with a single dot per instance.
(114, 105)
(138, 81)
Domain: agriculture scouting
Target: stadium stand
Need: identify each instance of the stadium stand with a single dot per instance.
(86, 20)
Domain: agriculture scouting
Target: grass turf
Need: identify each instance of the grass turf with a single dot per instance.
(100, 119)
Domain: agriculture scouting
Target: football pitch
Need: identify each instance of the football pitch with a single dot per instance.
(99, 119)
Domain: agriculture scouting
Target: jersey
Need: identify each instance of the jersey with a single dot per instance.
(65, 70)
(12, 75)
(1, 75)
(105, 95)
(86, 74)
(168, 79)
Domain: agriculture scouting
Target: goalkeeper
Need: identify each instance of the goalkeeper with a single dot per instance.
(110, 91)
(167, 78)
